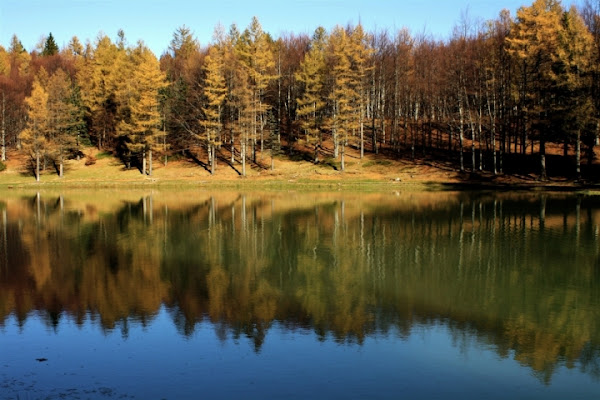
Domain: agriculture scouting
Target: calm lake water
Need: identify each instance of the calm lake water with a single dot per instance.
(195, 294)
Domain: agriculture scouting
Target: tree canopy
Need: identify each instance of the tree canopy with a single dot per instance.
(510, 95)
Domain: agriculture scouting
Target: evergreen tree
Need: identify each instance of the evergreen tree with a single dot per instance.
(65, 117)
(50, 47)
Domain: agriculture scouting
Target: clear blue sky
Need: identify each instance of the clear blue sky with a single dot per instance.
(154, 21)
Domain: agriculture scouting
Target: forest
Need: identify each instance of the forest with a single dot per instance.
(514, 95)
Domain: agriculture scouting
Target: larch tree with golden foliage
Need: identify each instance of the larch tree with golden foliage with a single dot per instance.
(33, 137)
(141, 124)
(311, 104)
(343, 96)
(255, 49)
(534, 45)
(100, 79)
(214, 96)
(575, 69)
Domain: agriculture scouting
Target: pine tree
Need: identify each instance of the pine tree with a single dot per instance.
(182, 66)
(33, 137)
(65, 117)
(50, 47)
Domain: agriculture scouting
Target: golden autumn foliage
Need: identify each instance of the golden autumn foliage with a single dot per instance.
(489, 100)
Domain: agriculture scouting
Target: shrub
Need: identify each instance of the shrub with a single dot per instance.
(90, 160)
(2, 166)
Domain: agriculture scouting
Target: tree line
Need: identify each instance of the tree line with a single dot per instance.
(491, 97)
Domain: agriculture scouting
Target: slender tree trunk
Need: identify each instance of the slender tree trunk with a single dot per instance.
(243, 156)
(60, 166)
(261, 117)
(342, 155)
(150, 162)
(213, 162)
(480, 135)
(165, 138)
(335, 133)
(493, 132)
(578, 155)
(232, 152)
(3, 128)
(461, 134)
(362, 141)
(144, 162)
(37, 166)
(472, 126)
(542, 158)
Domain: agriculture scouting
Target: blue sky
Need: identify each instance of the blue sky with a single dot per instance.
(154, 21)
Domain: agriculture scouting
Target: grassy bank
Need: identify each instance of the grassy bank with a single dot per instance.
(370, 173)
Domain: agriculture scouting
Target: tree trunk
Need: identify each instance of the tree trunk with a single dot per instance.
(461, 135)
(150, 162)
(578, 156)
(362, 141)
(144, 162)
(3, 128)
(343, 166)
(336, 148)
(542, 158)
(243, 156)
(37, 166)
(213, 161)
(60, 166)
(165, 139)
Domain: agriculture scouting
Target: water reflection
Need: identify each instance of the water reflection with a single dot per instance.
(518, 273)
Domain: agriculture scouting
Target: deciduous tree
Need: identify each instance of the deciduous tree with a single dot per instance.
(33, 136)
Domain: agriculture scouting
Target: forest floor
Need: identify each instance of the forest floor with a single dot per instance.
(293, 169)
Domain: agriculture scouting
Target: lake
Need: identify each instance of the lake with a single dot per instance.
(200, 294)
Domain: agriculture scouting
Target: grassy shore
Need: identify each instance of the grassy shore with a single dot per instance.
(371, 173)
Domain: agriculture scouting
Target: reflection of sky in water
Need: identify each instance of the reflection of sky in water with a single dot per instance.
(158, 362)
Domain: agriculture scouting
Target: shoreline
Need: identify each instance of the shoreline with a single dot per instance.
(368, 175)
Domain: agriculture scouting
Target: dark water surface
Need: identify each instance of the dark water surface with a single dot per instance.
(155, 295)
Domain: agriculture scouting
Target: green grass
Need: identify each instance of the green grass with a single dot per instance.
(103, 154)
(373, 163)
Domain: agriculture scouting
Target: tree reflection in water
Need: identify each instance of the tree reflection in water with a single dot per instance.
(517, 272)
